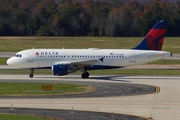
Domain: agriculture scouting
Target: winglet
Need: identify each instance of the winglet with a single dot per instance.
(155, 37)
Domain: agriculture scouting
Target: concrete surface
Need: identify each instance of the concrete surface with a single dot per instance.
(161, 106)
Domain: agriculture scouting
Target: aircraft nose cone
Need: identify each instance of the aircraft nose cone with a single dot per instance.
(10, 61)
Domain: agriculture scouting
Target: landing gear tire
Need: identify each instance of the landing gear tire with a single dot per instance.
(85, 75)
(31, 75)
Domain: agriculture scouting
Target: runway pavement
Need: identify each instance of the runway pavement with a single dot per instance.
(164, 105)
(69, 114)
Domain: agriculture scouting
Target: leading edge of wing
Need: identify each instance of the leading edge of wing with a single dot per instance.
(80, 63)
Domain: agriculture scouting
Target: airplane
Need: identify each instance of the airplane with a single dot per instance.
(65, 61)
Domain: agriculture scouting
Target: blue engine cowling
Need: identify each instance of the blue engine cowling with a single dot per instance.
(60, 69)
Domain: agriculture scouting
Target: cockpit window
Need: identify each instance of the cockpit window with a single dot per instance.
(17, 55)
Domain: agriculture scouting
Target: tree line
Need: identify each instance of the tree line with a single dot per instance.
(87, 18)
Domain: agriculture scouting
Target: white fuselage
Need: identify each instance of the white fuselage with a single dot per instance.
(39, 58)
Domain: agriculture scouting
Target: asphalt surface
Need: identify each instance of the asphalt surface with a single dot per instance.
(103, 89)
(69, 114)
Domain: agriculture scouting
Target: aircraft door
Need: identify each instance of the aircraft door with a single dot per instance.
(132, 57)
(30, 56)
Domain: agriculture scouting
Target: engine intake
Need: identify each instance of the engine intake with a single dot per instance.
(60, 69)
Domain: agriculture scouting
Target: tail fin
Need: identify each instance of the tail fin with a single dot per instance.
(155, 37)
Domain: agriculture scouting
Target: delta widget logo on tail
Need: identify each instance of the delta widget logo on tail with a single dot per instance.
(155, 37)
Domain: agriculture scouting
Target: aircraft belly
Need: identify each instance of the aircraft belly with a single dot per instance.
(44, 64)
(97, 67)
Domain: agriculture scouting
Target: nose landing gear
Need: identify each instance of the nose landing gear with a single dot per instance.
(31, 73)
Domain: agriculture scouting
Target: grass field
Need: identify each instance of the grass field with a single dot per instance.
(19, 89)
(14, 44)
(3, 61)
(20, 117)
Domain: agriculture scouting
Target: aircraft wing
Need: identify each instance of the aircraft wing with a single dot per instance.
(81, 63)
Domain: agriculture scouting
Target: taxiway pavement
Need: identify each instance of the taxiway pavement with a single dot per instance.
(101, 89)
(164, 105)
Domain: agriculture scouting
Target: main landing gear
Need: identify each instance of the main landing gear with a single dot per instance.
(85, 75)
(31, 73)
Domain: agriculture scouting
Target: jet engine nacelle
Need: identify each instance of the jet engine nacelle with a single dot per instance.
(60, 69)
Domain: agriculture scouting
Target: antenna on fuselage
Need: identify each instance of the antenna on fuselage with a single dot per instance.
(63, 48)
